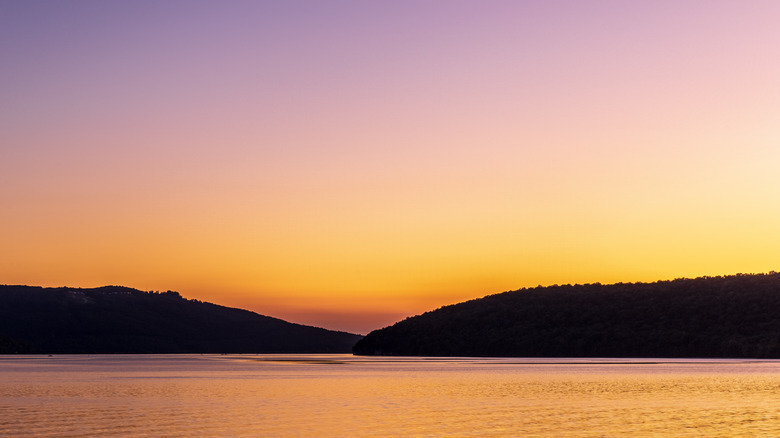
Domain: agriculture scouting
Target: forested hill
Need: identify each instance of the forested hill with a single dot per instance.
(117, 319)
(708, 317)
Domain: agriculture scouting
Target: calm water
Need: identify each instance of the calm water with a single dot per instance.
(333, 395)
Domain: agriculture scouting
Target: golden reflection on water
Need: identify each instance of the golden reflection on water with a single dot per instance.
(286, 396)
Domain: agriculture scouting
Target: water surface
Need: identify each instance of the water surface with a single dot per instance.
(342, 395)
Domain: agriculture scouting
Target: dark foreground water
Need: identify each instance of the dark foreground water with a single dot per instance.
(340, 395)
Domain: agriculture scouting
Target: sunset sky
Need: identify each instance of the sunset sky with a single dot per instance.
(350, 163)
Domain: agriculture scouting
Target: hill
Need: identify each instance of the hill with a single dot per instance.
(116, 319)
(707, 317)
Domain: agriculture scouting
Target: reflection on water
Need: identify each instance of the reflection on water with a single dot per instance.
(341, 395)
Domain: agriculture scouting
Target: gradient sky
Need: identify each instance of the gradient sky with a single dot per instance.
(350, 163)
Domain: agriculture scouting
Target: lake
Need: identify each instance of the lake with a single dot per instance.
(343, 395)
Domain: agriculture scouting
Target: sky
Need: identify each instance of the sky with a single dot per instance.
(347, 164)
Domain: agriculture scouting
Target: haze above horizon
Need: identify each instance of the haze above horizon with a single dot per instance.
(347, 164)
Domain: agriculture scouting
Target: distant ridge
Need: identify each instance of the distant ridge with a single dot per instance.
(708, 317)
(116, 319)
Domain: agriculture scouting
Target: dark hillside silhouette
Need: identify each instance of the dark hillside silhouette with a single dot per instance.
(708, 317)
(115, 319)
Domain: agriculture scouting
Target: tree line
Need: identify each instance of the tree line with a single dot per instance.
(706, 317)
